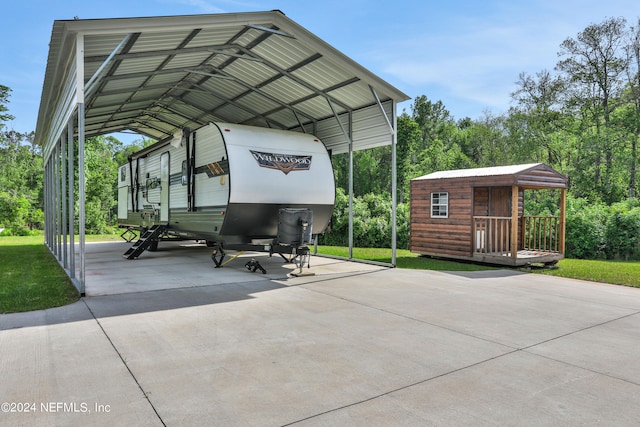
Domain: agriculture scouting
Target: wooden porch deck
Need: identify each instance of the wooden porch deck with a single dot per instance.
(524, 257)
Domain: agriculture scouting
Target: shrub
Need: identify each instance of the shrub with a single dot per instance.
(371, 222)
(623, 235)
(585, 229)
(19, 231)
(597, 231)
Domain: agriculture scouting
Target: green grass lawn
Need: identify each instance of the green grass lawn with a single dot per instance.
(616, 272)
(30, 277)
(404, 259)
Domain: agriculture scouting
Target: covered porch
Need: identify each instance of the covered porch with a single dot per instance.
(539, 239)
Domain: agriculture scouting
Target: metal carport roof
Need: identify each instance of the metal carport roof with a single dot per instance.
(156, 75)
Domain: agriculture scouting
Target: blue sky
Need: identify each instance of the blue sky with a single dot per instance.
(466, 53)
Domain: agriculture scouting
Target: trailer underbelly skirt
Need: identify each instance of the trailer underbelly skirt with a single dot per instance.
(237, 222)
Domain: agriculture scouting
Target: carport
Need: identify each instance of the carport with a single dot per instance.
(156, 75)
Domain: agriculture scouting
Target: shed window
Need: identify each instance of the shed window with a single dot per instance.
(440, 205)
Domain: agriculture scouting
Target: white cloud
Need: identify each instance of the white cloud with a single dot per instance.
(472, 61)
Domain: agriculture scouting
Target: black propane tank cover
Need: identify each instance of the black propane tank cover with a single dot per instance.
(294, 226)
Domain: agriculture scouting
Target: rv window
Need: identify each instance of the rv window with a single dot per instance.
(440, 205)
(184, 172)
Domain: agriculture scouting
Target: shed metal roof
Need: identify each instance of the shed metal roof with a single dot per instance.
(479, 172)
(155, 75)
(528, 176)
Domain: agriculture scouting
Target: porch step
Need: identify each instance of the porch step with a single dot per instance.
(145, 240)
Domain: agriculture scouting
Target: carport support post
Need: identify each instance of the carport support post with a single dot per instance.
(58, 198)
(80, 99)
(350, 199)
(71, 200)
(47, 225)
(394, 169)
(63, 199)
(394, 187)
(349, 139)
(81, 190)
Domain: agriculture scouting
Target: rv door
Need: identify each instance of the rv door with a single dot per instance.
(164, 187)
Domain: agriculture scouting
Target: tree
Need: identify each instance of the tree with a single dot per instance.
(486, 143)
(101, 183)
(433, 119)
(594, 63)
(537, 117)
(409, 137)
(4, 100)
(632, 118)
(21, 180)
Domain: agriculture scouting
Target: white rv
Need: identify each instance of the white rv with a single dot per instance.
(226, 183)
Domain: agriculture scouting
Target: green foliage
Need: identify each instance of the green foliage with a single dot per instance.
(372, 223)
(20, 183)
(15, 212)
(4, 99)
(598, 231)
(101, 188)
(622, 232)
(585, 227)
(12, 209)
(537, 202)
(409, 137)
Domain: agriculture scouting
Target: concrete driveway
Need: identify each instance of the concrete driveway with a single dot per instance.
(353, 345)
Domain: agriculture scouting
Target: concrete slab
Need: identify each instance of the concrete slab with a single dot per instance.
(187, 264)
(517, 310)
(611, 348)
(282, 355)
(65, 373)
(518, 389)
(353, 345)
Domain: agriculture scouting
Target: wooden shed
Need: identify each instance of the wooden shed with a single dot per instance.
(468, 214)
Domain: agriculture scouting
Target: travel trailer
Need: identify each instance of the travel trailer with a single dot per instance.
(226, 184)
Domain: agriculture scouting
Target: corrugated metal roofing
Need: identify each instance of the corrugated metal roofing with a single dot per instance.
(156, 75)
(490, 171)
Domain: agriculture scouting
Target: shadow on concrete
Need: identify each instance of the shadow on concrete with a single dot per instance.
(137, 302)
(485, 274)
(178, 275)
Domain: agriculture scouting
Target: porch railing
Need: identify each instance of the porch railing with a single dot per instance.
(492, 234)
(541, 233)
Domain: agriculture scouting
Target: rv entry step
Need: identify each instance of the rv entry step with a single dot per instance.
(148, 239)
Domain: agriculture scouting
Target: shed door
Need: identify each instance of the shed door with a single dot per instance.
(500, 201)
